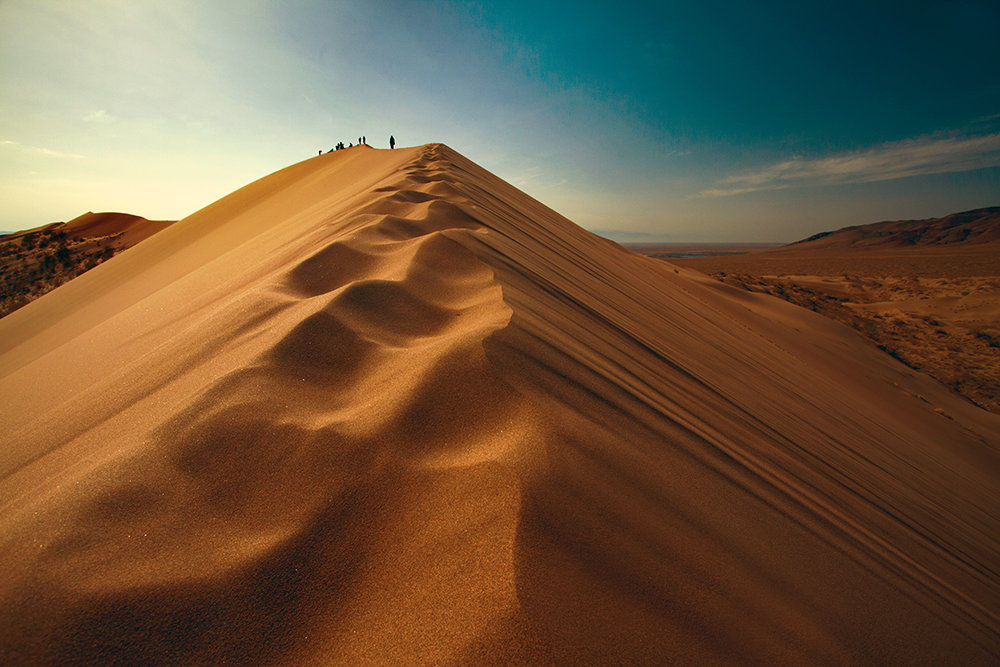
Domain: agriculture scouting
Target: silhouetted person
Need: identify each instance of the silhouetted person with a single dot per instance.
(392, 141)
(364, 139)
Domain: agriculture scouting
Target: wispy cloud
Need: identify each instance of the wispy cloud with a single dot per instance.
(13, 145)
(534, 177)
(98, 116)
(911, 157)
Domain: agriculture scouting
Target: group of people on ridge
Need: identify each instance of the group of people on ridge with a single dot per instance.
(362, 141)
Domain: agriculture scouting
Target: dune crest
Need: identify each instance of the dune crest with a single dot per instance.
(382, 406)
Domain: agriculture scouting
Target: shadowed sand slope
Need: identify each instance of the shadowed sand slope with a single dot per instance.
(380, 406)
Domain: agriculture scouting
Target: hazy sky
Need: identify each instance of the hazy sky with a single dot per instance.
(729, 121)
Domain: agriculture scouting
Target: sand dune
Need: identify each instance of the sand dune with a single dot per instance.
(129, 229)
(382, 407)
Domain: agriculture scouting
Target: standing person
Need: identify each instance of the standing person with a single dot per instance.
(364, 139)
(392, 141)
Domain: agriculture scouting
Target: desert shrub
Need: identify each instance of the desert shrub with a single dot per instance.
(987, 338)
(893, 353)
(63, 255)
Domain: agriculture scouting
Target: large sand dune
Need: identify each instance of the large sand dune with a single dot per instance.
(382, 407)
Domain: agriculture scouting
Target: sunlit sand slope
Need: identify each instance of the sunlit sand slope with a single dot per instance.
(382, 407)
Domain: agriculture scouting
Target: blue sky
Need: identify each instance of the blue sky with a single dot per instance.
(707, 121)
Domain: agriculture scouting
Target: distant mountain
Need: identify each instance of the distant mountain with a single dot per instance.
(36, 261)
(970, 227)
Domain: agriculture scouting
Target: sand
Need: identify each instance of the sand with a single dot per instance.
(382, 407)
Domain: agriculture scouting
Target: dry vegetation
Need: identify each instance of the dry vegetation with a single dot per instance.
(37, 262)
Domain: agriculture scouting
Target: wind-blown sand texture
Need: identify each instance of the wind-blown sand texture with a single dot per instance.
(382, 407)
(37, 261)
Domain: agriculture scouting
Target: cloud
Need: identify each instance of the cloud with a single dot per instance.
(536, 178)
(911, 157)
(4, 143)
(98, 116)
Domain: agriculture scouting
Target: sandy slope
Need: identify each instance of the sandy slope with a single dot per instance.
(380, 406)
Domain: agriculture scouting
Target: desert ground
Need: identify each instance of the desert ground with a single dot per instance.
(936, 307)
(380, 406)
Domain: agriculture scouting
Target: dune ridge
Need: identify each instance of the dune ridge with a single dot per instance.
(130, 229)
(382, 406)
